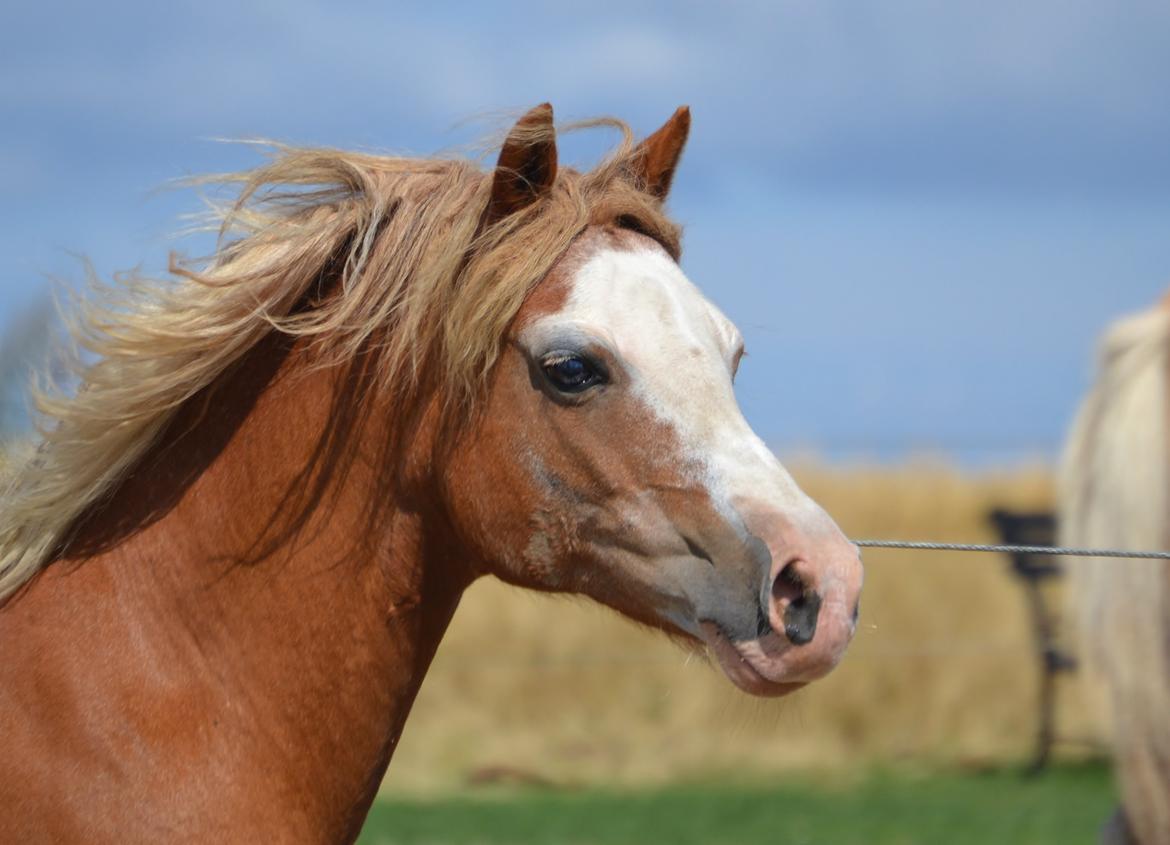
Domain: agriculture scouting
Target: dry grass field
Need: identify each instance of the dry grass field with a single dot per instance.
(528, 688)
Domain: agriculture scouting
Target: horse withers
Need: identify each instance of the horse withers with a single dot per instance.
(230, 561)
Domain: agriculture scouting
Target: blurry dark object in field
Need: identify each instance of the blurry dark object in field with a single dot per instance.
(1036, 570)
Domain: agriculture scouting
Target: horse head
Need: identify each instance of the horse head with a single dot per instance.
(610, 457)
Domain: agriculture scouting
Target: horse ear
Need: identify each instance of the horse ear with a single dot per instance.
(527, 166)
(656, 158)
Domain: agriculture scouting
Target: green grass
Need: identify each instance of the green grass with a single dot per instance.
(1065, 805)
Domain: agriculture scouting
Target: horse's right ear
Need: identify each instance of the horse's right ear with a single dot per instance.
(527, 166)
(656, 158)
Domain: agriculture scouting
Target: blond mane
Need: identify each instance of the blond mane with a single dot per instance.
(1115, 492)
(349, 252)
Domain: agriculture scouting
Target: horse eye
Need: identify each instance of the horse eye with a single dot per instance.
(571, 373)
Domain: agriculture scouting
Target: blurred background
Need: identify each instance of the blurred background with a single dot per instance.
(921, 215)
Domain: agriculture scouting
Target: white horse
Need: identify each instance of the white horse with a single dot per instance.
(1115, 492)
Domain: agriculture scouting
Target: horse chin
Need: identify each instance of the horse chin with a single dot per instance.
(739, 669)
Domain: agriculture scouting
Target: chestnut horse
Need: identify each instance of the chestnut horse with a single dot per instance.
(230, 561)
(1115, 492)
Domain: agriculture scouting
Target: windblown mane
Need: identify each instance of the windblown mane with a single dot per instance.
(350, 252)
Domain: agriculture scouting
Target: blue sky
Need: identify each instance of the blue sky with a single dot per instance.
(921, 214)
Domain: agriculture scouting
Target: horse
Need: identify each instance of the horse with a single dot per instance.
(1114, 491)
(230, 560)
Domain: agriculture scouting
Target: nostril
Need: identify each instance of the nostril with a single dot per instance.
(800, 619)
(799, 603)
(788, 586)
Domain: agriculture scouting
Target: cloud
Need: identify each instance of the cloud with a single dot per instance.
(880, 96)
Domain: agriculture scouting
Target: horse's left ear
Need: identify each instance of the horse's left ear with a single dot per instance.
(656, 158)
(527, 166)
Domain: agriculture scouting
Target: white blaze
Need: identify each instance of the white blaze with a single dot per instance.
(679, 352)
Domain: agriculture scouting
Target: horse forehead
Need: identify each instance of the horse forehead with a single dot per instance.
(639, 297)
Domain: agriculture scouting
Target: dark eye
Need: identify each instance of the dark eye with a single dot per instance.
(570, 373)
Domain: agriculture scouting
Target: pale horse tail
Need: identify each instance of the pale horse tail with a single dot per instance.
(1115, 492)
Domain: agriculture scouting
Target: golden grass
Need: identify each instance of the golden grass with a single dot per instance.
(942, 669)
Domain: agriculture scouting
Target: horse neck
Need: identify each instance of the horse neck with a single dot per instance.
(321, 619)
